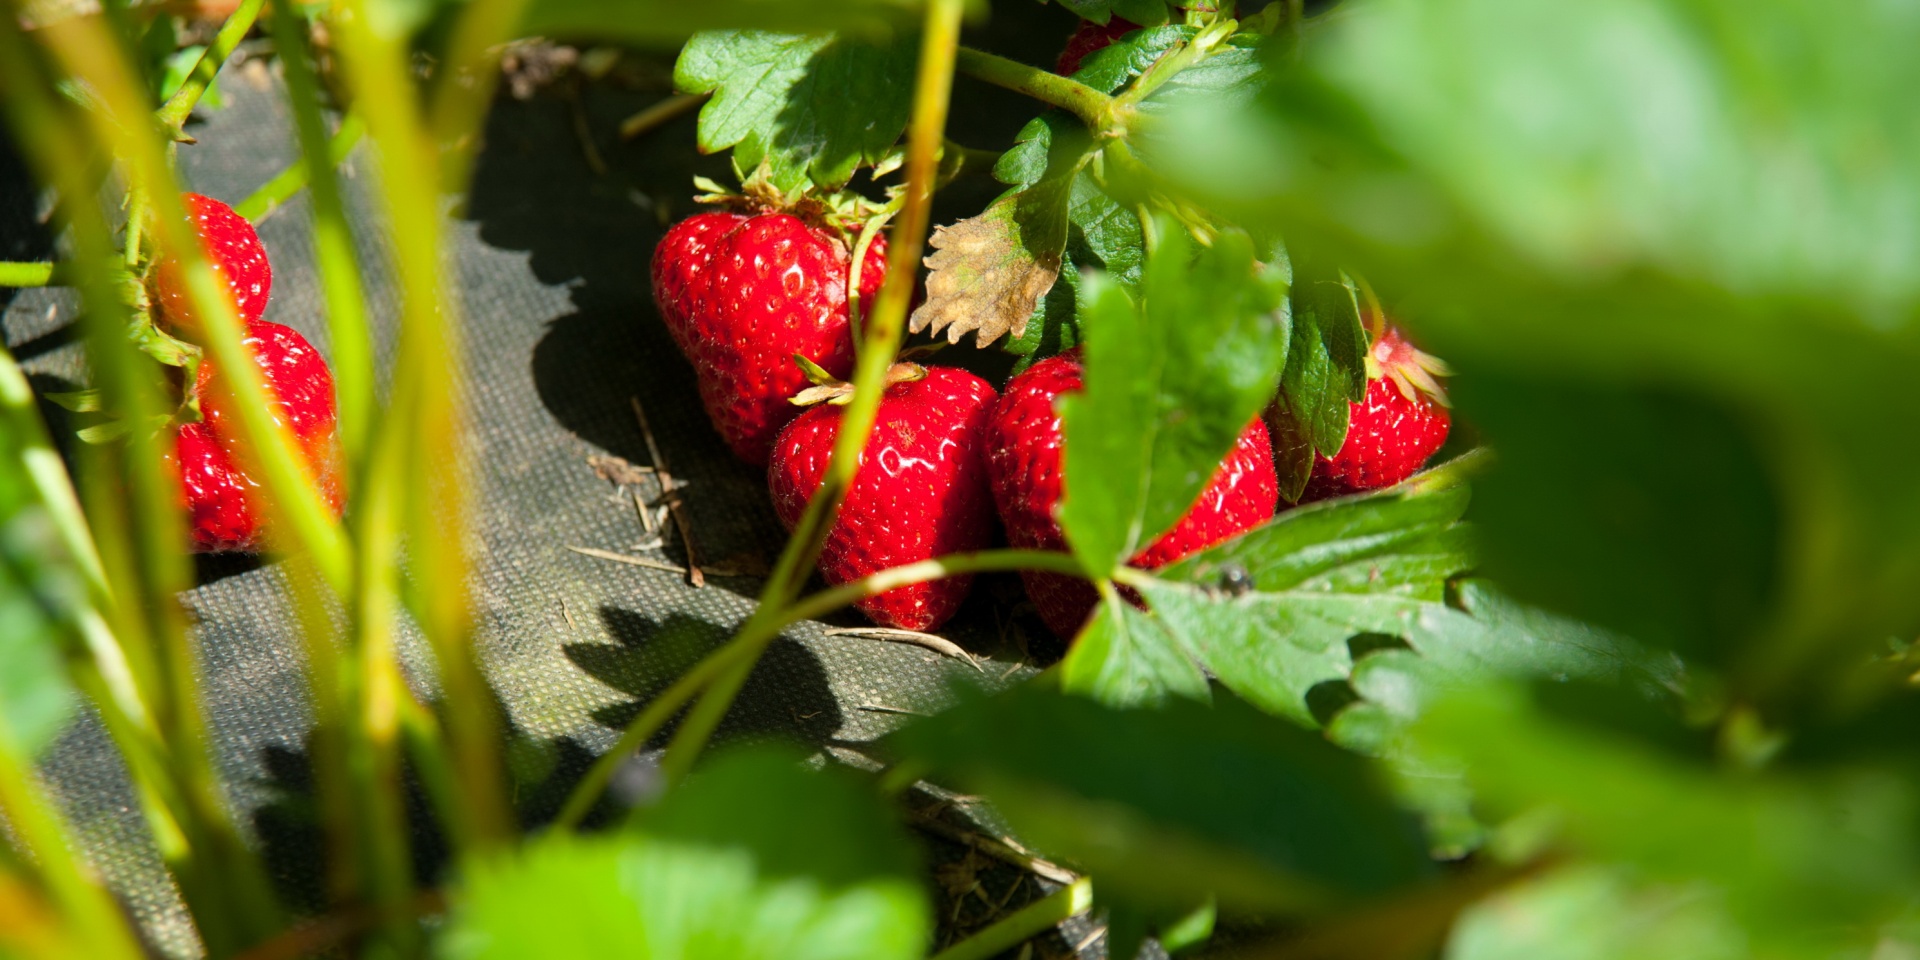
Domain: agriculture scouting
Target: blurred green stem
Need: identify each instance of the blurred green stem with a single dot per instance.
(32, 274)
(173, 114)
(758, 633)
(1094, 108)
(287, 183)
(333, 247)
(880, 345)
(1024, 924)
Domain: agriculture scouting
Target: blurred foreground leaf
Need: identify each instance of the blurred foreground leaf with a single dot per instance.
(1718, 199)
(1807, 863)
(43, 596)
(1167, 804)
(752, 857)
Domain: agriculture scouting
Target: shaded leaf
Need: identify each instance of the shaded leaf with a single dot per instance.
(1139, 11)
(1299, 824)
(655, 23)
(812, 107)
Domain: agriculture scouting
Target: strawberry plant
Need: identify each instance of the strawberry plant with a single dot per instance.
(1570, 613)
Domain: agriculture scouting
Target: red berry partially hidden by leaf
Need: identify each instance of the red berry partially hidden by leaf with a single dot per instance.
(1392, 431)
(234, 250)
(219, 493)
(1089, 38)
(920, 491)
(741, 294)
(1024, 460)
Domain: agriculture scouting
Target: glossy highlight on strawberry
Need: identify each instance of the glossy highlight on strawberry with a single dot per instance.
(1024, 440)
(1393, 430)
(234, 251)
(741, 294)
(920, 491)
(219, 493)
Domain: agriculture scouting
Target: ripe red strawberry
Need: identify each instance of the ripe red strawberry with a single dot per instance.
(741, 295)
(1024, 457)
(920, 492)
(217, 490)
(233, 248)
(1393, 430)
(1089, 38)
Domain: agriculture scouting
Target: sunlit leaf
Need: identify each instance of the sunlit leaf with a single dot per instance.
(810, 106)
(1172, 380)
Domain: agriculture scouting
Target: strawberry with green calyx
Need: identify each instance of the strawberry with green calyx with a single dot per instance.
(219, 494)
(232, 249)
(1024, 443)
(919, 492)
(1392, 431)
(743, 287)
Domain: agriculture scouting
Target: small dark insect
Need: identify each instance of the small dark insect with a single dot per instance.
(1235, 581)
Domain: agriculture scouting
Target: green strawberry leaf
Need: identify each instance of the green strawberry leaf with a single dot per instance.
(1319, 575)
(1326, 371)
(1593, 911)
(1143, 12)
(620, 20)
(717, 871)
(1298, 825)
(1171, 382)
(1809, 863)
(810, 108)
(1647, 511)
(1125, 658)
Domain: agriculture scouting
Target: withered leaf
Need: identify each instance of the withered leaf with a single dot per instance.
(988, 272)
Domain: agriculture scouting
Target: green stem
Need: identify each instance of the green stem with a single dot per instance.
(273, 194)
(33, 274)
(1091, 106)
(428, 407)
(933, 88)
(754, 638)
(173, 114)
(1024, 924)
(333, 247)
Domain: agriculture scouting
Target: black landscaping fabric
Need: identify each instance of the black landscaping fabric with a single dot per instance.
(549, 259)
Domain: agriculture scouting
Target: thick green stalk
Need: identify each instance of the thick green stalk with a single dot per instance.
(748, 644)
(880, 343)
(429, 410)
(92, 917)
(333, 247)
(32, 274)
(1094, 108)
(173, 114)
(221, 878)
(1024, 924)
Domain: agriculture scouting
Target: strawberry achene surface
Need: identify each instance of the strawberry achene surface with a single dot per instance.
(232, 248)
(741, 293)
(1024, 461)
(218, 491)
(920, 491)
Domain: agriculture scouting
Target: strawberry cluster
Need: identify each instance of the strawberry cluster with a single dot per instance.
(743, 292)
(217, 491)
